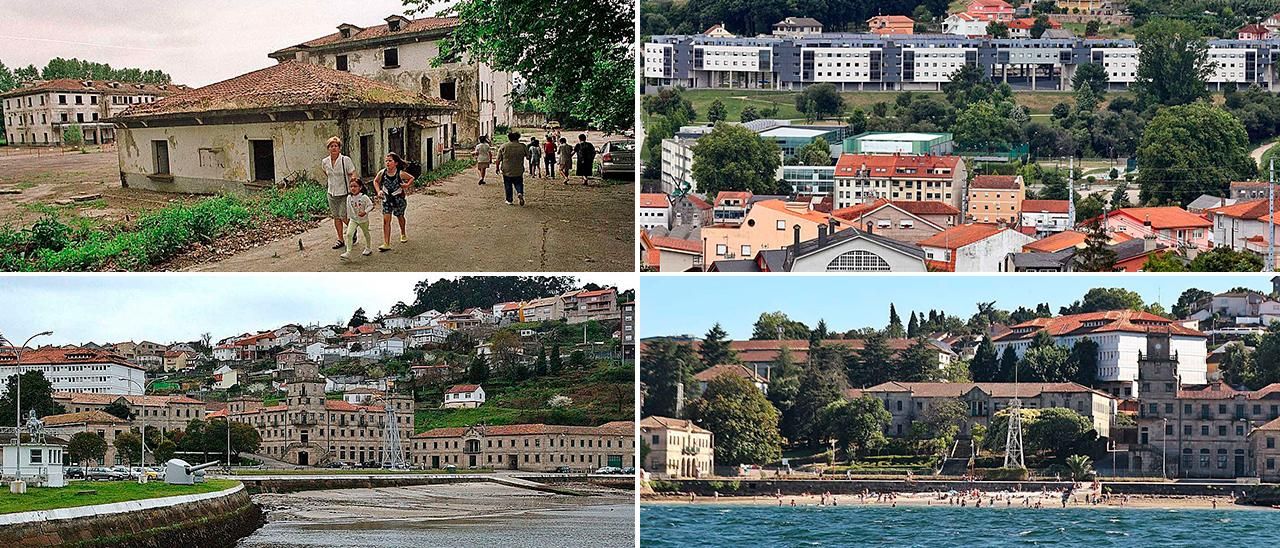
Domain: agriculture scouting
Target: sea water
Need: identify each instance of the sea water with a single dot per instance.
(703, 525)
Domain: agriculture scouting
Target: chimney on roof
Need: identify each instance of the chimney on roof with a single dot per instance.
(1149, 243)
(797, 235)
(870, 227)
(822, 235)
(831, 224)
(1146, 221)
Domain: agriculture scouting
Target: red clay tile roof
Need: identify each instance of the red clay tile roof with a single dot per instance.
(1131, 321)
(648, 199)
(529, 430)
(697, 202)
(1164, 217)
(72, 85)
(996, 182)
(462, 389)
(957, 389)
(289, 84)
(88, 398)
(95, 416)
(57, 356)
(734, 369)
(344, 405)
(1045, 206)
(726, 195)
(1251, 209)
(1056, 242)
(959, 236)
(897, 166)
(677, 244)
(926, 208)
(858, 210)
(655, 421)
(377, 31)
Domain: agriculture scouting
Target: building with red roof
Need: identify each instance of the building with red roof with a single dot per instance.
(1243, 225)
(65, 369)
(528, 447)
(463, 395)
(1046, 216)
(1170, 225)
(995, 199)
(972, 247)
(1253, 32)
(1120, 335)
(904, 221)
(38, 111)
(655, 211)
(766, 225)
(863, 178)
(1066, 239)
(891, 25)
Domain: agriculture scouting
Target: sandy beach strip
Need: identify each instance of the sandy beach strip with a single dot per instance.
(1001, 500)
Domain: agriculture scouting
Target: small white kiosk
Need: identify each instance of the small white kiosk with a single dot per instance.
(37, 461)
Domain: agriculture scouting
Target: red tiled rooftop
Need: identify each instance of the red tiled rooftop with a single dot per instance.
(72, 85)
(1106, 321)
(377, 31)
(996, 182)
(654, 200)
(1045, 206)
(890, 166)
(530, 430)
(1056, 242)
(959, 236)
(462, 389)
(1164, 217)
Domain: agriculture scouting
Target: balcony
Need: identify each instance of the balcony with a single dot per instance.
(303, 419)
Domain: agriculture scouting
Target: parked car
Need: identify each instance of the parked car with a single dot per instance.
(73, 472)
(629, 471)
(618, 158)
(337, 464)
(564, 470)
(608, 470)
(105, 474)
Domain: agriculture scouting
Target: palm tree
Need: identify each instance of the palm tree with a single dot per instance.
(1080, 467)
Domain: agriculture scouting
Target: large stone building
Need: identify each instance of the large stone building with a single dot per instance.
(104, 425)
(168, 413)
(37, 113)
(76, 369)
(310, 430)
(867, 61)
(401, 52)
(1194, 430)
(908, 402)
(271, 125)
(677, 448)
(529, 447)
(1121, 335)
(862, 178)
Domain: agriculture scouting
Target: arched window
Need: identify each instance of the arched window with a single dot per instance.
(858, 261)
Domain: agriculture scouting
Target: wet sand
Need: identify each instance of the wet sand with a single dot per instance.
(482, 514)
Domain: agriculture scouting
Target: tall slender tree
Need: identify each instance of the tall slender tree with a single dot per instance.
(895, 330)
(715, 347)
(985, 365)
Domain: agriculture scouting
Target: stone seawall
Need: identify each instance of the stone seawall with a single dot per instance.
(211, 522)
(748, 488)
(293, 485)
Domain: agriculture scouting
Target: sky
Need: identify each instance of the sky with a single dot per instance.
(198, 43)
(167, 308)
(691, 305)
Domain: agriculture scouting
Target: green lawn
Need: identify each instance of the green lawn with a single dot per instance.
(354, 472)
(47, 498)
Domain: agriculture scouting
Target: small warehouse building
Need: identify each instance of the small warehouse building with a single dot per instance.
(270, 126)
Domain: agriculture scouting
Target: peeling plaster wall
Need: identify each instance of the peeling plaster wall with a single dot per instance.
(211, 159)
(482, 94)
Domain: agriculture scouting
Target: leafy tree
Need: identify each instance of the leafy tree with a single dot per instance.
(1092, 27)
(554, 367)
(732, 157)
(1097, 255)
(358, 318)
(1225, 259)
(129, 446)
(485, 291)
(72, 136)
(1057, 430)
(1080, 468)
(665, 366)
(1266, 360)
(857, 425)
(985, 365)
(784, 385)
(998, 29)
(671, 103)
(968, 85)
(1190, 150)
(768, 324)
(817, 153)
(1238, 366)
(1166, 261)
(118, 410)
(717, 112)
(577, 360)
(715, 348)
(163, 451)
(244, 438)
(1105, 298)
(1008, 364)
(1188, 299)
(1082, 364)
(821, 383)
(748, 114)
(37, 395)
(745, 424)
(820, 101)
(981, 126)
(1040, 25)
(857, 121)
(1173, 63)
(1090, 207)
(478, 371)
(895, 329)
(86, 446)
(1092, 77)
(591, 78)
(1043, 361)
(918, 363)
(873, 364)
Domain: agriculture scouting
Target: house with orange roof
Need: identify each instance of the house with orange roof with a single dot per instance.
(1253, 32)
(891, 25)
(664, 252)
(863, 178)
(972, 248)
(528, 447)
(166, 413)
(1066, 239)
(1046, 216)
(403, 52)
(766, 225)
(463, 395)
(904, 221)
(995, 199)
(990, 10)
(1236, 225)
(655, 211)
(1121, 335)
(732, 369)
(254, 130)
(717, 31)
(1021, 27)
(1171, 226)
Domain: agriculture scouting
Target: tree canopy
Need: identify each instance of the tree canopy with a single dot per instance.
(732, 157)
(745, 424)
(1190, 150)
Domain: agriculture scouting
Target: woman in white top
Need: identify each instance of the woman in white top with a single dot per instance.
(483, 155)
(339, 171)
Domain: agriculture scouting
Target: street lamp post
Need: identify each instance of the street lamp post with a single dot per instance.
(142, 474)
(18, 486)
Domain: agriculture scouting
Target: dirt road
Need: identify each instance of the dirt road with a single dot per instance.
(460, 226)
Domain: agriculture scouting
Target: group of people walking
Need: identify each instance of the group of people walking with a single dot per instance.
(545, 159)
(349, 205)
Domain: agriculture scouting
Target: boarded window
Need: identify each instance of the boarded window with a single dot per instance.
(160, 155)
(391, 58)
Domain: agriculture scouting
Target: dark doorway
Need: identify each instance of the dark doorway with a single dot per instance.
(302, 459)
(1240, 466)
(471, 461)
(513, 462)
(435, 462)
(264, 160)
(366, 156)
(395, 141)
(431, 153)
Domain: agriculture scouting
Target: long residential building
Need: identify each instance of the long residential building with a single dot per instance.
(858, 62)
(37, 113)
(76, 369)
(529, 447)
(1121, 335)
(167, 413)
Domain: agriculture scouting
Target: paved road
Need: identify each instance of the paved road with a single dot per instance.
(460, 226)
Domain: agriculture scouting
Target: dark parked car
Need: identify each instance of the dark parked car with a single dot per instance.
(564, 470)
(105, 474)
(73, 472)
(618, 159)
